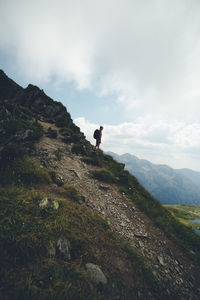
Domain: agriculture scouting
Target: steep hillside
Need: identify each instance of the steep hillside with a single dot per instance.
(169, 185)
(74, 223)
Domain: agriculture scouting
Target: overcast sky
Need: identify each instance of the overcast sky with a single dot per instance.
(132, 66)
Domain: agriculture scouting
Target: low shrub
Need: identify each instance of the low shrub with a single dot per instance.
(12, 152)
(79, 149)
(104, 175)
(94, 161)
(63, 122)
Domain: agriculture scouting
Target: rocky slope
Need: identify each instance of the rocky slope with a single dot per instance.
(99, 221)
(167, 262)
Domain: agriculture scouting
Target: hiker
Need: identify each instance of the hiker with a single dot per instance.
(97, 136)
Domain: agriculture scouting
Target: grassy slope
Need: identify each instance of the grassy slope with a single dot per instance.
(30, 266)
(185, 212)
(28, 233)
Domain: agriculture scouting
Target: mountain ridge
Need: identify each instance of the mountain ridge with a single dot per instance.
(170, 186)
(67, 208)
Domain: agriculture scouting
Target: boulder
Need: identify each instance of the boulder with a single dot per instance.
(49, 203)
(96, 273)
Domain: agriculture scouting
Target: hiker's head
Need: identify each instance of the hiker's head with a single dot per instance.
(101, 127)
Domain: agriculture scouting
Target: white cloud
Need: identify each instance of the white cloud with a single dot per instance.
(50, 38)
(146, 53)
(175, 144)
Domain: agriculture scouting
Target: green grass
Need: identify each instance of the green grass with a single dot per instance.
(71, 192)
(30, 271)
(21, 171)
(184, 213)
(104, 175)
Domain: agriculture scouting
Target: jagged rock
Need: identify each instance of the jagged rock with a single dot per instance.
(26, 134)
(104, 187)
(141, 235)
(96, 273)
(161, 260)
(49, 203)
(62, 249)
(76, 173)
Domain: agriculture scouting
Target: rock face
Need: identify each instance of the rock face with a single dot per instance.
(39, 105)
(22, 109)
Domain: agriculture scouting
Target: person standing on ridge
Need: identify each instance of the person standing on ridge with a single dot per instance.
(97, 136)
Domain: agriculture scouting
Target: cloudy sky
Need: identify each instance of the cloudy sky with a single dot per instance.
(132, 66)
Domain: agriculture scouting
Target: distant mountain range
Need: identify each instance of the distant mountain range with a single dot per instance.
(170, 186)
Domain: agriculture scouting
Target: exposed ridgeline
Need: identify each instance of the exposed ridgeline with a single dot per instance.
(31, 104)
(74, 223)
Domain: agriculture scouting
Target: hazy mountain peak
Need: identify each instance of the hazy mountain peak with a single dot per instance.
(170, 186)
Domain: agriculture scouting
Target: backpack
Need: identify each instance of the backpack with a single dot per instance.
(96, 134)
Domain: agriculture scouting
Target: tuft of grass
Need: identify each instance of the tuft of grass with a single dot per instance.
(71, 192)
(104, 175)
(92, 161)
(79, 149)
(70, 135)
